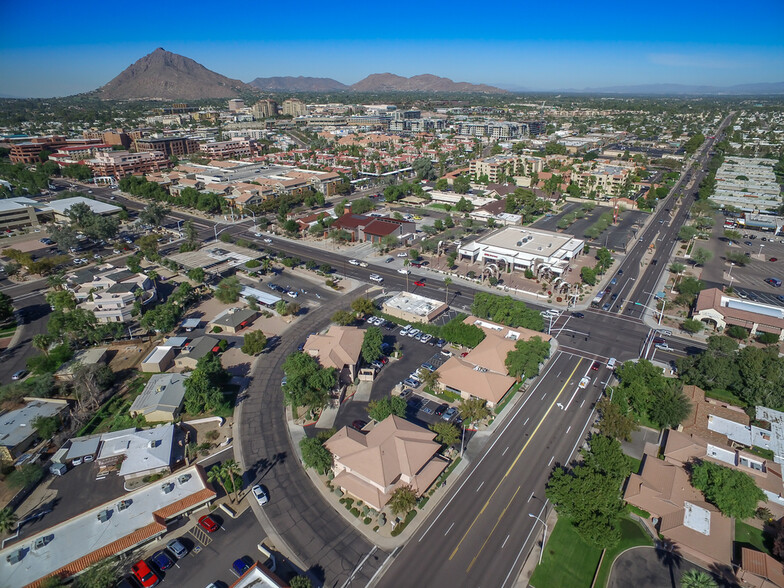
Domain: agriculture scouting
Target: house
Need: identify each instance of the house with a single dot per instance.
(161, 399)
(373, 229)
(139, 452)
(340, 348)
(394, 453)
(707, 417)
(112, 528)
(760, 570)
(715, 308)
(159, 360)
(233, 320)
(17, 429)
(483, 373)
(194, 350)
(83, 357)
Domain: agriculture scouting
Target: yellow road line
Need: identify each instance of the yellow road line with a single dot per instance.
(493, 531)
(501, 481)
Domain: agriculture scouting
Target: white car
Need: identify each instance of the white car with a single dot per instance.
(292, 294)
(584, 383)
(261, 494)
(376, 278)
(268, 240)
(363, 264)
(353, 261)
(404, 271)
(402, 254)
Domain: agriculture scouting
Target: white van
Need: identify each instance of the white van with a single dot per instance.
(611, 363)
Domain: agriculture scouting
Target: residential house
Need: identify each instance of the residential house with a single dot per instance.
(340, 348)
(83, 357)
(140, 453)
(161, 399)
(194, 350)
(233, 320)
(392, 454)
(17, 429)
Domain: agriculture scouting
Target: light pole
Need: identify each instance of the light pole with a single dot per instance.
(730, 274)
(544, 537)
(654, 309)
(178, 228)
(761, 246)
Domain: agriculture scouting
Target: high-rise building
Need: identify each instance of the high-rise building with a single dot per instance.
(168, 145)
(264, 109)
(236, 104)
(294, 107)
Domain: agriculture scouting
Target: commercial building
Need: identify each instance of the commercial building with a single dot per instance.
(236, 104)
(294, 107)
(19, 212)
(482, 373)
(522, 248)
(139, 453)
(216, 258)
(61, 207)
(29, 150)
(392, 454)
(124, 163)
(162, 397)
(106, 530)
(17, 430)
(494, 130)
(747, 183)
(413, 307)
(715, 308)
(373, 229)
(340, 348)
(236, 148)
(177, 146)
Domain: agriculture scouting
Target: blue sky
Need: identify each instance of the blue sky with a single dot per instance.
(57, 48)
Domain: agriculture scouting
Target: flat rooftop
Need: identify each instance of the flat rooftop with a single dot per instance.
(85, 539)
(98, 207)
(414, 304)
(525, 240)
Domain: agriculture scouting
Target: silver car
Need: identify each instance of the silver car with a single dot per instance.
(261, 494)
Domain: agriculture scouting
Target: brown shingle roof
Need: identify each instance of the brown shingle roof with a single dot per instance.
(768, 571)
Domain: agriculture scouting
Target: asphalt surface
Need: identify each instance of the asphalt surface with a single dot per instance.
(32, 309)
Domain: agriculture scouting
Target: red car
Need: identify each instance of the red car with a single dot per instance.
(595, 366)
(144, 574)
(208, 524)
(773, 259)
(419, 283)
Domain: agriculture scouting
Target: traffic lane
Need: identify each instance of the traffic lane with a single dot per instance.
(607, 335)
(34, 314)
(447, 530)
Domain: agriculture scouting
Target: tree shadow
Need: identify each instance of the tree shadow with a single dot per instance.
(724, 575)
(669, 554)
(316, 575)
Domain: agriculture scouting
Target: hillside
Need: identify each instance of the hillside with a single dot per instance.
(298, 84)
(387, 82)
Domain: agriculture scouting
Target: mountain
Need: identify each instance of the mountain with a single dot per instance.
(168, 76)
(298, 84)
(676, 89)
(387, 82)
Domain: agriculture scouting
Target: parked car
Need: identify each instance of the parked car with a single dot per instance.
(177, 548)
(442, 408)
(426, 337)
(413, 332)
(450, 412)
(376, 364)
(403, 254)
(389, 260)
(241, 565)
(411, 383)
(162, 560)
(208, 524)
(358, 424)
(19, 375)
(261, 494)
(144, 575)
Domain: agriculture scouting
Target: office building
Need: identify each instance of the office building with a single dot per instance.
(119, 164)
(29, 150)
(236, 104)
(264, 109)
(294, 107)
(177, 146)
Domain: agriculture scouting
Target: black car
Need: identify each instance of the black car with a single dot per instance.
(441, 409)
(620, 272)
(578, 315)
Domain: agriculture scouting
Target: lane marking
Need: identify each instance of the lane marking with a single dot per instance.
(526, 420)
(583, 402)
(530, 497)
(504, 543)
(505, 450)
(480, 485)
(503, 512)
(543, 395)
(551, 461)
(514, 463)
(570, 426)
(449, 529)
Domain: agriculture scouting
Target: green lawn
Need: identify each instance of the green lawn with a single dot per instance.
(752, 537)
(567, 559)
(632, 535)
(725, 396)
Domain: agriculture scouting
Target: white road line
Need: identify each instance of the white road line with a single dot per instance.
(526, 420)
(489, 449)
(522, 548)
(504, 543)
(551, 461)
(568, 429)
(505, 450)
(449, 529)
(480, 485)
(530, 497)
(543, 395)
(583, 402)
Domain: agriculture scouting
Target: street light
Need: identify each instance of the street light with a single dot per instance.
(761, 246)
(544, 537)
(653, 309)
(730, 273)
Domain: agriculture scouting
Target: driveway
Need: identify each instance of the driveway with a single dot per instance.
(642, 567)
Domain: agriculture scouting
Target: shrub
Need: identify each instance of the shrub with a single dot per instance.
(736, 332)
(252, 263)
(217, 329)
(355, 512)
(367, 520)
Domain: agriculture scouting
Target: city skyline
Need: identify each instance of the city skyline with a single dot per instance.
(567, 49)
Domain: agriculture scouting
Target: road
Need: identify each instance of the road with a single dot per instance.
(32, 309)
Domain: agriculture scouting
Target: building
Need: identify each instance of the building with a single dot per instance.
(217, 258)
(233, 320)
(340, 348)
(718, 310)
(61, 207)
(177, 146)
(139, 453)
(759, 570)
(236, 104)
(29, 150)
(505, 165)
(106, 530)
(159, 360)
(264, 109)
(604, 180)
(494, 130)
(116, 137)
(236, 148)
(294, 107)
(19, 212)
(83, 357)
(392, 454)
(520, 248)
(116, 303)
(413, 307)
(17, 429)
(162, 397)
(194, 350)
(119, 164)
(259, 576)
(748, 184)
(482, 373)
(373, 229)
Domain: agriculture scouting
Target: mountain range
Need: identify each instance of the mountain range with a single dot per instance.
(168, 76)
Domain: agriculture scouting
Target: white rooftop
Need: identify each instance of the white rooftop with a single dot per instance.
(413, 304)
(263, 297)
(98, 207)
(17, 425)
(145, 450)
(84, 534)
(696, 518)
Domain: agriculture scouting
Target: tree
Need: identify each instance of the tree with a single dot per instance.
(228, 290)
(8, 519)
(413, 254)
(254, 343)
(737, 332)
(614, 423)
(232, 470)
(363, 306)
(6, 306)
(697, 579)
(694, 326)
(403, 499)
(371, 344)
(733, 492)
(588, 275)
(526, 357)
(196, 274)
(446, 433)
(378, 410)
(217, 474)
(343, 318)
(701, 256)
(46, 427)
(315, 455)
(473, 410)
(687, 233)
(461, 184)
(153, 214)
(300, 582)
(429, 379)
(442, 184)
(307, 383)
(42, 342)
(27, 475)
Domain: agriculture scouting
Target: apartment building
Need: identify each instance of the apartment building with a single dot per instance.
(294, 107)
(115, 137)
(124, 163)
(177, 146)
(240, 147)
(747, 183)
(29, 150)
(606, 180)
(510, 165)
(236, 104)
(495, 130)
(264, 109)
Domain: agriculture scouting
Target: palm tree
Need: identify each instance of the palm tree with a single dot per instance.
(669, 555)
(697, 579)
(56, 281)
(447, 281)
(430, 379)
(8, 519)
(41, 342)
(216, 474)
(231, 469)
(473, 409)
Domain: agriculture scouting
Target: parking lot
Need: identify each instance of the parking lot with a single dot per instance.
(616, 237)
